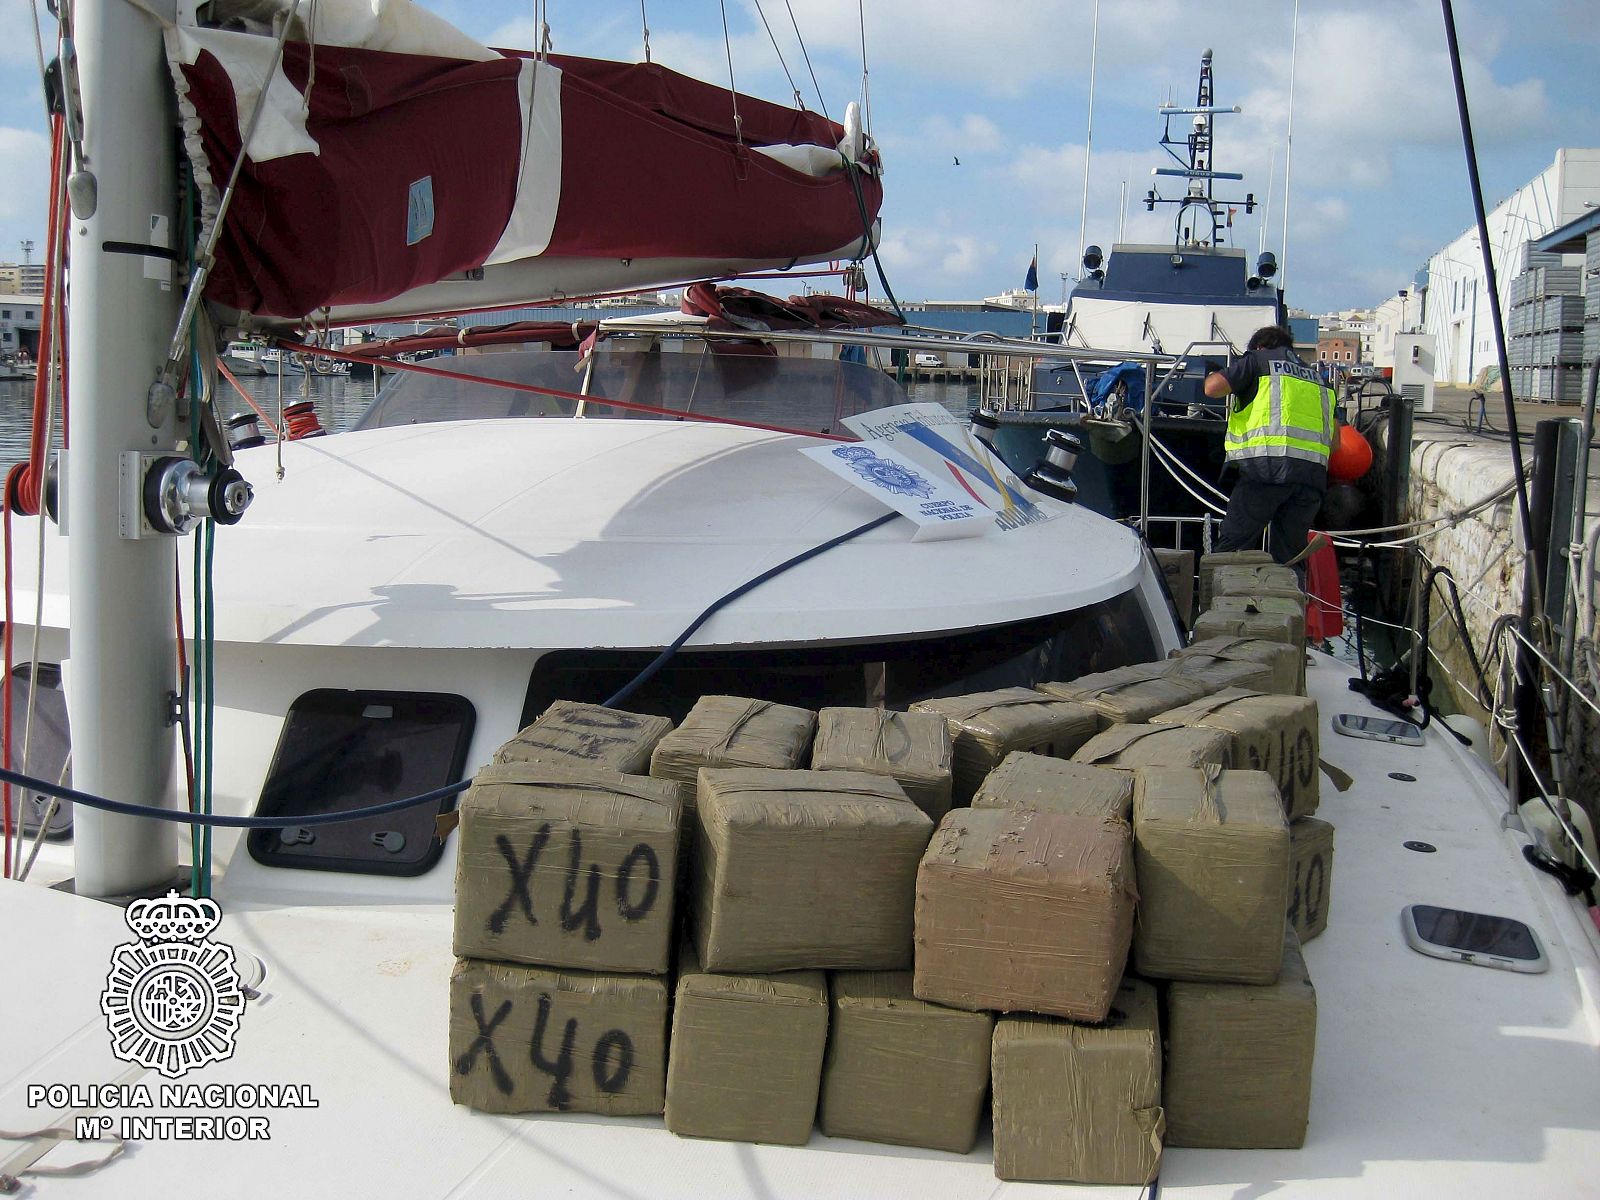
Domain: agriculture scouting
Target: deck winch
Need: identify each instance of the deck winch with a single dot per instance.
(1052, 474)
(178, 494)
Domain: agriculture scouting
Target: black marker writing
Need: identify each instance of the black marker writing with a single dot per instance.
(485, 1042)
(521, 872)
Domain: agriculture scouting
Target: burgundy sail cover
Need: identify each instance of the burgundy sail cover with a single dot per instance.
(413, 168)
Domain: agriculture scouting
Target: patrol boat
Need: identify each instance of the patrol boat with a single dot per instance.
(1196, 299)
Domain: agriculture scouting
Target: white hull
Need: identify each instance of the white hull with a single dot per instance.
(1432, 1078)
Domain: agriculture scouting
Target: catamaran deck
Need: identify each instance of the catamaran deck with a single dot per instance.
(1432, 1078)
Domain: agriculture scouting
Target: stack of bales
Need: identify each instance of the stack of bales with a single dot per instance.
(1249, 600)
(857, 951)
(1177, 568)
(564, 920)
(1026, 906)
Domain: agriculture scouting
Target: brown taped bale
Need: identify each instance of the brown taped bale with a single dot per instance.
(746, 1059)
(731, 731)
(1287, 663)
(568, 869)
(588, 735)
(1216, 673)
(987, 726)
(1275, 734)
(1266, 579)
(1128, 695)
(531, 1039)
(1211, 849)
(1262, 604)
(1272, 626)
(1081, 1103)
(1125, 747)
(1177, 567)
(912, 748)
(901, 1070)
(1239, 1060)
(1025, 911)
(1211, 563)
(1310, 876)
(1034, 783)
(802, 869)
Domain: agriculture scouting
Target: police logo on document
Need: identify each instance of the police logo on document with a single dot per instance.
(881, 473)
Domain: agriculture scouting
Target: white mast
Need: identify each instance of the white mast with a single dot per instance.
(123, 309)
(1288, 152)
(1088, 143)
(1266, 205)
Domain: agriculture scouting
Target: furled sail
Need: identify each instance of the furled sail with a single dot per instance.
(398, 168)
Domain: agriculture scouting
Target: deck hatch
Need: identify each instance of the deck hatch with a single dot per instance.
(348, 749)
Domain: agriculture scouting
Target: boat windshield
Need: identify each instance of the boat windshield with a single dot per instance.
(800, 392)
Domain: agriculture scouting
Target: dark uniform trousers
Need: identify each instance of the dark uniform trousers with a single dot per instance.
(1287, 509)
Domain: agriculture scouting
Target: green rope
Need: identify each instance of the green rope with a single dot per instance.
(194, 742)
(210, 710)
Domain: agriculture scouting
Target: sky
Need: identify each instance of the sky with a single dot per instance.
(1376, 178)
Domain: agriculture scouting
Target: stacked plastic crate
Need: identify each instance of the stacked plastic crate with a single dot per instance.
(1591, 299)
(1547, 348)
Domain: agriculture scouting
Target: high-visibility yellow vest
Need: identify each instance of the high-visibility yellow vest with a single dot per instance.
(1290, 416)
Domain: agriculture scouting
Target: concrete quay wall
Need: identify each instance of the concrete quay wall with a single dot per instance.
(1485, 554)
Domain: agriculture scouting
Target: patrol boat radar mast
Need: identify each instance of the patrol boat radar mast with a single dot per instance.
(1192, 151)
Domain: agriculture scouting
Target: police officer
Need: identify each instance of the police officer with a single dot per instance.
(1280, 433)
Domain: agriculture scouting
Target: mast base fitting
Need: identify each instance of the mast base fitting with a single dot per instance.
(167, 494)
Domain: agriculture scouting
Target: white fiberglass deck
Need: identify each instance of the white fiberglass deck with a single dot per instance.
(603, 533)
(1432, 1078)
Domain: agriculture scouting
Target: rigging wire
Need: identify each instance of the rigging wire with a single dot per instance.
(733, 89)
(38, 52)
(644, 21)
(1288, 149)
(798, 100)
(804, 53)
(866, 86)
(1088, 145)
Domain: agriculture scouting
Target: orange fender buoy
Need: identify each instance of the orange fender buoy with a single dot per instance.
(1351, 457)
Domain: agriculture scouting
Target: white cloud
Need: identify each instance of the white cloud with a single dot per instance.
(961, 259)
(25, 160)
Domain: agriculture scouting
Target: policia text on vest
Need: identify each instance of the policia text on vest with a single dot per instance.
(1280, 432)
(1290, 416)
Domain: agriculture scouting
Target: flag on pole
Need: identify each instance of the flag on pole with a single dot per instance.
(1231, 211)
(1032, 282)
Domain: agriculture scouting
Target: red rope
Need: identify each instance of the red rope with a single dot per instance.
(301, 419)
(27, 484)
(563, 301)
(5, 641)
(508, 385)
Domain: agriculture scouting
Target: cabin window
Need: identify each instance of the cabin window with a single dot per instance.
(894, 674)
(350, 749)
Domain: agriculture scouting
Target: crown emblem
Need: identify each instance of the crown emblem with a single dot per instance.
(173, 918)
